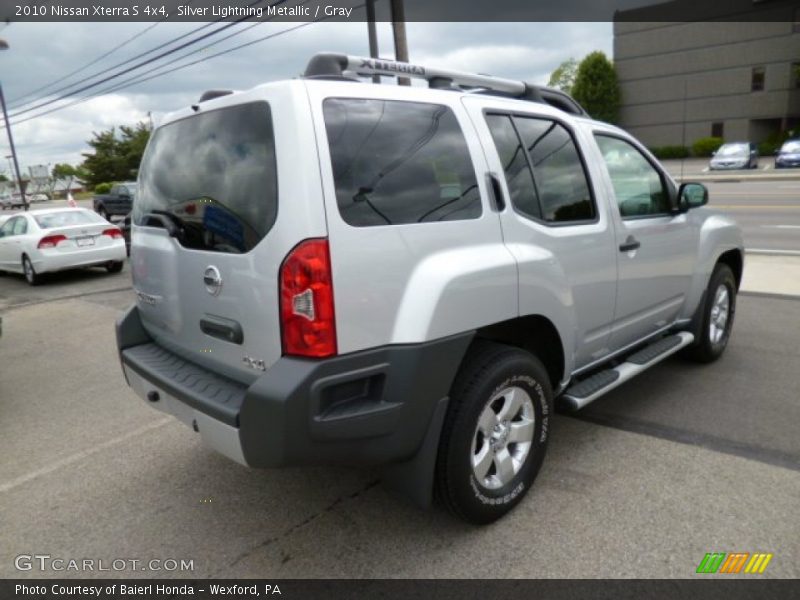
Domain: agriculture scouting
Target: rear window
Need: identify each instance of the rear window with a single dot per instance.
(398, 162)
(67, 218)
(215, 175)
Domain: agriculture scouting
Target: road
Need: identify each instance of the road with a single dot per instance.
(769, 212)
(681, 461)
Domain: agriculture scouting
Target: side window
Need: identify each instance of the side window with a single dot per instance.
(8, 227)
(114, 191)
(564, 193)
(398, 162)
(638, 185)
(515, 165)
(20, 226)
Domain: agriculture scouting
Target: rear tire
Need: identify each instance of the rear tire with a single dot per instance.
(494, 437)
(31, 276)
(115, 266)
(716, 320)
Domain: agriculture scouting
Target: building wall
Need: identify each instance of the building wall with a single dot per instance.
(676, 79)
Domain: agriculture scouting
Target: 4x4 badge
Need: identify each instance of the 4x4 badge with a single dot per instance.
(213, 280)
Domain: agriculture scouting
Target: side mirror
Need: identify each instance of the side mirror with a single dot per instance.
(692, 195)
(713, 153)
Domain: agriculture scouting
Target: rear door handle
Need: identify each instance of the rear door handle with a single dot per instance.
(630, 244)
(496, 191)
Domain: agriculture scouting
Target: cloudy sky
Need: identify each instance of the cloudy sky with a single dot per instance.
(40, 53)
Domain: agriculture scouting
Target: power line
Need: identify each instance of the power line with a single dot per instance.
(141, 79)
(89, 64)
(142, 63)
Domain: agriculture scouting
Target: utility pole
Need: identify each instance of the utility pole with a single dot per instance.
(400, 42)
(13, 150)
(373, 35)
(4, 46)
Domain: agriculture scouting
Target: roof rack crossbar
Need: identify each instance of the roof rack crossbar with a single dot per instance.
(334, 65)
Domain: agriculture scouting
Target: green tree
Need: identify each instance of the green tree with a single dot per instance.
(563, 77)
(596, 87)
(116, 155)
(67, 173)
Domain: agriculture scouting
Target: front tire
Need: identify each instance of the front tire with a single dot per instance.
(31, 276)
(716, 322)
(494, 437)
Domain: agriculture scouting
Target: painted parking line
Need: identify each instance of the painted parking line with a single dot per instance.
(755, 206)
(781, 226)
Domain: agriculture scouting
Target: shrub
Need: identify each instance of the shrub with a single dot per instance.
(665, 152)
(706, 146)
(102, 188)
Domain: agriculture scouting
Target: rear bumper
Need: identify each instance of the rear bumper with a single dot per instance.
(366, 408)
(54, 260)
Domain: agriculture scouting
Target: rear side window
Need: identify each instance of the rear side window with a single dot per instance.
(215, 175)
(544, 172)
(399, 162)
(515, 165)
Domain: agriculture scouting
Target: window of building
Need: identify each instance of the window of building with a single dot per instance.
(796, 23)
(399, 162)
(717, 129)
(757, 79)
(638, 185)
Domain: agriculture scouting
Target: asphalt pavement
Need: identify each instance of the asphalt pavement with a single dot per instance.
(681, 461)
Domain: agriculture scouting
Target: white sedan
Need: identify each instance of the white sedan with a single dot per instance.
(46, 240)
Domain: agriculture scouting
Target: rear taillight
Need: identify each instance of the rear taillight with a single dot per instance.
(308, 325)
(113, 233)
(50, 241)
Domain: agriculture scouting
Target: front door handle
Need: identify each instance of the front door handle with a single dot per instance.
(630, 244)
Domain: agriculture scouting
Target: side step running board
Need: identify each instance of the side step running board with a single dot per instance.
(582, 393)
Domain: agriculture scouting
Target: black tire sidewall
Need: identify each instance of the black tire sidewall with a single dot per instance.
(722, 275)
(475, 502)
(34, 279)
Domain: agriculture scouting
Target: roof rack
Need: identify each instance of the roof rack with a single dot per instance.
(327, 65)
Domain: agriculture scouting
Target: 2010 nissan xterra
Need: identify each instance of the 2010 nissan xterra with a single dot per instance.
(335, 272)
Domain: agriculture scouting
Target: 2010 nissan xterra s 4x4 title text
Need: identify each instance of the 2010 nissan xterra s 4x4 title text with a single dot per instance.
(334, 272)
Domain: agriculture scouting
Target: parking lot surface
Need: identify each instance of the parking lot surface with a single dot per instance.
(681, 461)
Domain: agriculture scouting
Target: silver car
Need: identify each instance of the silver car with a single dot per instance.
(735, 155)
(335, 272)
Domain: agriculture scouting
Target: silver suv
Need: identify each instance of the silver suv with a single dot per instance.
(335, 272)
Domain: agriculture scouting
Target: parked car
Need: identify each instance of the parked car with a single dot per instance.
(735, 155)
(118, 201)
(382, 284)
(789, 155)
(46, 240)
(11, 201)
(36, 198)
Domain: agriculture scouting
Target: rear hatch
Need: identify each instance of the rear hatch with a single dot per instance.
(219, 205)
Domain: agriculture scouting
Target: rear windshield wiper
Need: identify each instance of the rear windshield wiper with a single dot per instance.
(172, 223)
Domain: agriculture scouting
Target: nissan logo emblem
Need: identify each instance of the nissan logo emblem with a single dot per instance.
(213, 280)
